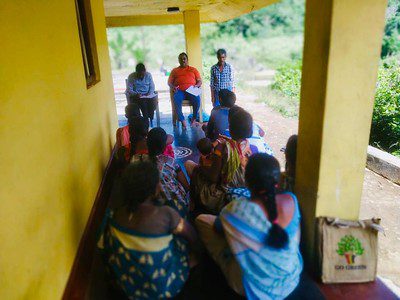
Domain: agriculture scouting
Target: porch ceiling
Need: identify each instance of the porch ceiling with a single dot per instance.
(154, 12)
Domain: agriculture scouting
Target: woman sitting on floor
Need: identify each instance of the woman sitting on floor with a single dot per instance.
(131, 111)
(262, 230)
(209, 184)
(256, 141)
(218, 122)
(138, 130)
(144, 242)
(288, 177)
(173, 181)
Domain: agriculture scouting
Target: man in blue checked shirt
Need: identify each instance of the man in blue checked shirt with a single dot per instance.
(221, 77)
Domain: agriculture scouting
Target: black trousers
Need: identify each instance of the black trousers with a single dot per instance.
(147, 105)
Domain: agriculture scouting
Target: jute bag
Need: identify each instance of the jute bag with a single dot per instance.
(348, 250)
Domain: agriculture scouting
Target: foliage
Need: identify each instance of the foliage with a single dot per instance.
(120, 49)
(349, 243)
(207, 64)
(248, 25)
(284, 17)
(286, 106)
(391, 38)
(126, 45)
(261, 39)
(131, 45)
(385, 130)
(287, 80)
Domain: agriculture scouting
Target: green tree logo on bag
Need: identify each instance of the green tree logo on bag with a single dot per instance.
(350, 247)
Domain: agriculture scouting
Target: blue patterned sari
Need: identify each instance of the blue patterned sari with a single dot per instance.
(145, 266)
(267, 273)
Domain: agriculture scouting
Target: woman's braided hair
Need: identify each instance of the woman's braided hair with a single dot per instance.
(156, 141)
(262, 175)
(138, 129)
(139, 182)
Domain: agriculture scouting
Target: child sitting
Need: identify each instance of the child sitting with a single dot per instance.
(144, 241)
(138, 129)
(137, 133)
(205, 147)
(218, 122)
(288, 177)
(257, 143)
(131, 111)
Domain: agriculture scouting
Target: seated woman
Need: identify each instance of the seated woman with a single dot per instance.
(173, 181)
(262, 231)
(209, 184)
(218, 122)
(144, 241)
(180, 79)
(131, 111)
(138, 128)
(288, 177)
(256, 141)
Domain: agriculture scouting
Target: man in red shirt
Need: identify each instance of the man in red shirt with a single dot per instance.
(180, 79)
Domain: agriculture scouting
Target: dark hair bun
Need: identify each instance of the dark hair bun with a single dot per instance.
(277, 237)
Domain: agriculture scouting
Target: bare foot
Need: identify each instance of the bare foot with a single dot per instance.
(183, 124)
(195, 124)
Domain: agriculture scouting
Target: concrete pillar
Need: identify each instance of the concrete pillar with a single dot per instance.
(191, 22)
(340, 62)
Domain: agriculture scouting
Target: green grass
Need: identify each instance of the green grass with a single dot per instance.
(286, 106)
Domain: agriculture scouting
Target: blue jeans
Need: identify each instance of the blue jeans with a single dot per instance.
(179, 96)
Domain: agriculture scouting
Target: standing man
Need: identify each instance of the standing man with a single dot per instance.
(140, 90)
(180, 79)
(221, 77)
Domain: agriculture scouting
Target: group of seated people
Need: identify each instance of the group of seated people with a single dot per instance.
(234, 202)
(140, 87)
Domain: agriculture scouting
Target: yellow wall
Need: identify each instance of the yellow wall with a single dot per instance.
(55, 140)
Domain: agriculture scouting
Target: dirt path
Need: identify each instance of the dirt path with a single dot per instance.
(277, 128)
(380, 197)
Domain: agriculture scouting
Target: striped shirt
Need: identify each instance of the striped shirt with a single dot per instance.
(222, 79)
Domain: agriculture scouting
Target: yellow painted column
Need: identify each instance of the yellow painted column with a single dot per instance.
(340, 62)
(191, 21)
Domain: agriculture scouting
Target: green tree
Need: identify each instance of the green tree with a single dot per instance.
(385, 128)
(349, 243)
(283, 17)
(287, 80)
(125, 44)
(391, 38)
(118, 47)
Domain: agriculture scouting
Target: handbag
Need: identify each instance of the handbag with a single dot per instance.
(347, 250)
